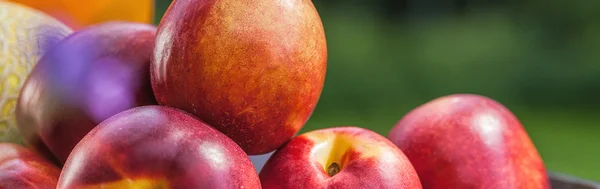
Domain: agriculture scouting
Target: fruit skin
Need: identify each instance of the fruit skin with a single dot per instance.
(80, 14)
(253, 69)
(25, 34)
(157, 146)
(469, 141)
(24, 169)
(367, 160)
(89, 76)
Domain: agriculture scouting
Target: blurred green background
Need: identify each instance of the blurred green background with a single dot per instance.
(537, 57)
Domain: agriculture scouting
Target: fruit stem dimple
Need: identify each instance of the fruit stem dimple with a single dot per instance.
(333, 169)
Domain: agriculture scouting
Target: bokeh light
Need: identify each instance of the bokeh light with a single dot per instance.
(82, 13)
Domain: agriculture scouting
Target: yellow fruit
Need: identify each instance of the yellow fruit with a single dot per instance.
(82, 13)
(25, 33)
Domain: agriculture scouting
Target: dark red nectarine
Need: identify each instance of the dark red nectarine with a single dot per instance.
(253, 69)
(89, 76)
(157, 147)
(469, 141)
(21, 168)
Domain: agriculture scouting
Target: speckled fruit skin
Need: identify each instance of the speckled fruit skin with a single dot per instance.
(21, 168)
(469, 141)
(157, 147)
(25, 34)
(368, 160)
(253, 69)
(89, 76)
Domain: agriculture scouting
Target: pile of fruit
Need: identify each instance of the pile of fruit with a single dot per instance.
(183, 105)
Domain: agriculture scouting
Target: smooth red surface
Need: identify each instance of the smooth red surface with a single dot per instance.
(21, 168)
(469, 141)
(382, 166)
(158, 143)
(87, 77)
(253, 69)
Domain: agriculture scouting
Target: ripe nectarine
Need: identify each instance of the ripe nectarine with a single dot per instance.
(339, 157)
(469, 141)
(21, 168)
(253, 69)
(157, 147)
(89, 76)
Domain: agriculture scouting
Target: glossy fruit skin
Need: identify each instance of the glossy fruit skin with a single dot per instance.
(253, 69)
(21, 168)
(79, 14)
(25, 34)
(88, 77)
(158, 143)
(372, 162)
(469, 141)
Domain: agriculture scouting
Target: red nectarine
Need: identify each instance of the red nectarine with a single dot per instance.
(157, 147)
(21, 168)
(89, 76)
(253, 69)
(469, 141)
(339, 157)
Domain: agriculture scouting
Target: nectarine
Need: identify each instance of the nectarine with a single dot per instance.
(469, 141)
(89, 76)
(253, 69)
(157, 147)
(340, 158)
(21, 168)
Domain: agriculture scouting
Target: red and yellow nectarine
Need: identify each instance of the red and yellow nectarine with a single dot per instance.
(339, 157)
(253, 69)
(157, 147)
